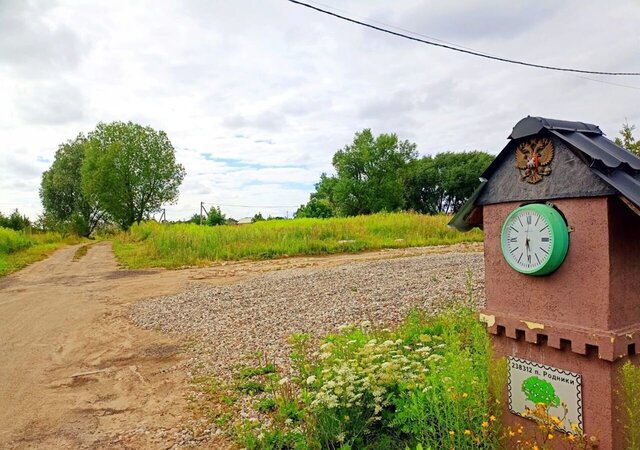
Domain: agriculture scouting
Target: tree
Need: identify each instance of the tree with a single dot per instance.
(444, 182)
(15, 221)
(65, 204)
(628, 141)
(215, 217)
(257, 218)
(130, 170)
(316, 207)
(370, 174)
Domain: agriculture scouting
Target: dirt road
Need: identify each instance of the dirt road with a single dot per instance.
(75, 373)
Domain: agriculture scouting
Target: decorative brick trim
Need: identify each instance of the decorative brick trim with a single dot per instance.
(608, 345)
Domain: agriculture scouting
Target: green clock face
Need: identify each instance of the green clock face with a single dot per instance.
(534, 239)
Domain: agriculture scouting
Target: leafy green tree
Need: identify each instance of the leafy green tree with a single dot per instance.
(15, 221)
(194, 219)
(215, 217)
(628, 141)
(66, 206)
(130, 170)
(444, 182)
(370, 174)
(316, 207)
(257, 218)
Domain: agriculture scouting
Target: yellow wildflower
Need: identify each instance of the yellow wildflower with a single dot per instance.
(452, 433)
(485, 424)
(467, 432)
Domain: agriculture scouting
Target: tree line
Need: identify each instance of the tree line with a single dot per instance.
(119, 173)
(122, 173)
(384, 173)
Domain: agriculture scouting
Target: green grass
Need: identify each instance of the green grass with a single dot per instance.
(18, 249)
(152, 244)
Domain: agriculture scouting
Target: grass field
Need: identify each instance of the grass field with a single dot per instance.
(152, 244)
(18, 249)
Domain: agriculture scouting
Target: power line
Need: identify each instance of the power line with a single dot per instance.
(461, 50)
(400, 28)
(251, 206)
(609, 82)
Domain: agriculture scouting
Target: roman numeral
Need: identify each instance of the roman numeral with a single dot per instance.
(515, 239)
(545, 239)
(528, 220)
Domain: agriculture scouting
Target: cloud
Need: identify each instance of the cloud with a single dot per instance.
(51, 103)
(256, 96)
(269, 121)
(32, 46)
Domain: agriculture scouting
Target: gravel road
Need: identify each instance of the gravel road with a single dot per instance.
(233, 321)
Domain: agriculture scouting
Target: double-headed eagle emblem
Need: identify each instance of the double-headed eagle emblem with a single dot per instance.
(533, 158)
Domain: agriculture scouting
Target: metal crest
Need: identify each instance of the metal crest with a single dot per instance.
(533, 158)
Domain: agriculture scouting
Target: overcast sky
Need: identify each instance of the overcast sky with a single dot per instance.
(256, 96)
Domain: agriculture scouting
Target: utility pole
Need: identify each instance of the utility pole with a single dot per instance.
(163, 216)
(202, 209)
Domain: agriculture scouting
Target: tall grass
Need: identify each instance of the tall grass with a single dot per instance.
(165, 245)
(21, 248)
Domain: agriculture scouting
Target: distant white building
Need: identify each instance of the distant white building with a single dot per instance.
(245, 220)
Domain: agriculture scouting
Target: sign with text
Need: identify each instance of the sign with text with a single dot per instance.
(531, 384)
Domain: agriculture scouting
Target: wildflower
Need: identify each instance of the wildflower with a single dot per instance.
(452, 433)
(550, 436)
(288, 421)
(467, 432)
(340, 437)
(492, 418)
(311, 379)
(511, 433)
(261, 436)
(485, 424)
(283, 381)
(571, 438)
(465, 395)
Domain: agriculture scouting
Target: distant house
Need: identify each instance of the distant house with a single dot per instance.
(245, 220)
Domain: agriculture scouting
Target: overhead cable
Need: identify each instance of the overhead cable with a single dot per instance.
(461, 50)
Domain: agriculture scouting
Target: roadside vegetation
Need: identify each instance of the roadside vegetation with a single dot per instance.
(18, 249)
(151, 244)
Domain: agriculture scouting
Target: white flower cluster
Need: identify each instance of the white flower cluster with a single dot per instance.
(356, 375)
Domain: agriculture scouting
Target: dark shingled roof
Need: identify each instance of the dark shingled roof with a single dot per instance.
(617, 167)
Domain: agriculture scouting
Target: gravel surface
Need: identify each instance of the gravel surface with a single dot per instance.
(233, 321)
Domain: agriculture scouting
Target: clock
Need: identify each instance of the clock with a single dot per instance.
(535, 239)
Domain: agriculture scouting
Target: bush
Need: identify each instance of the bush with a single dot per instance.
(12, 241)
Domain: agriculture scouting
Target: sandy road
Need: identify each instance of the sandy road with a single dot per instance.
(74, 371)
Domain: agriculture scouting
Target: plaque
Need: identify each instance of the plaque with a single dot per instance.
(531, 383)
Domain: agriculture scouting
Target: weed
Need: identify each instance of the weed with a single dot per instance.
(80, 252)
(630, 390)
(250, 387)
(250, 372)
(266, 405)
(151, 244)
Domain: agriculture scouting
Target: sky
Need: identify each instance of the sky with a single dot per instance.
(257, 95)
